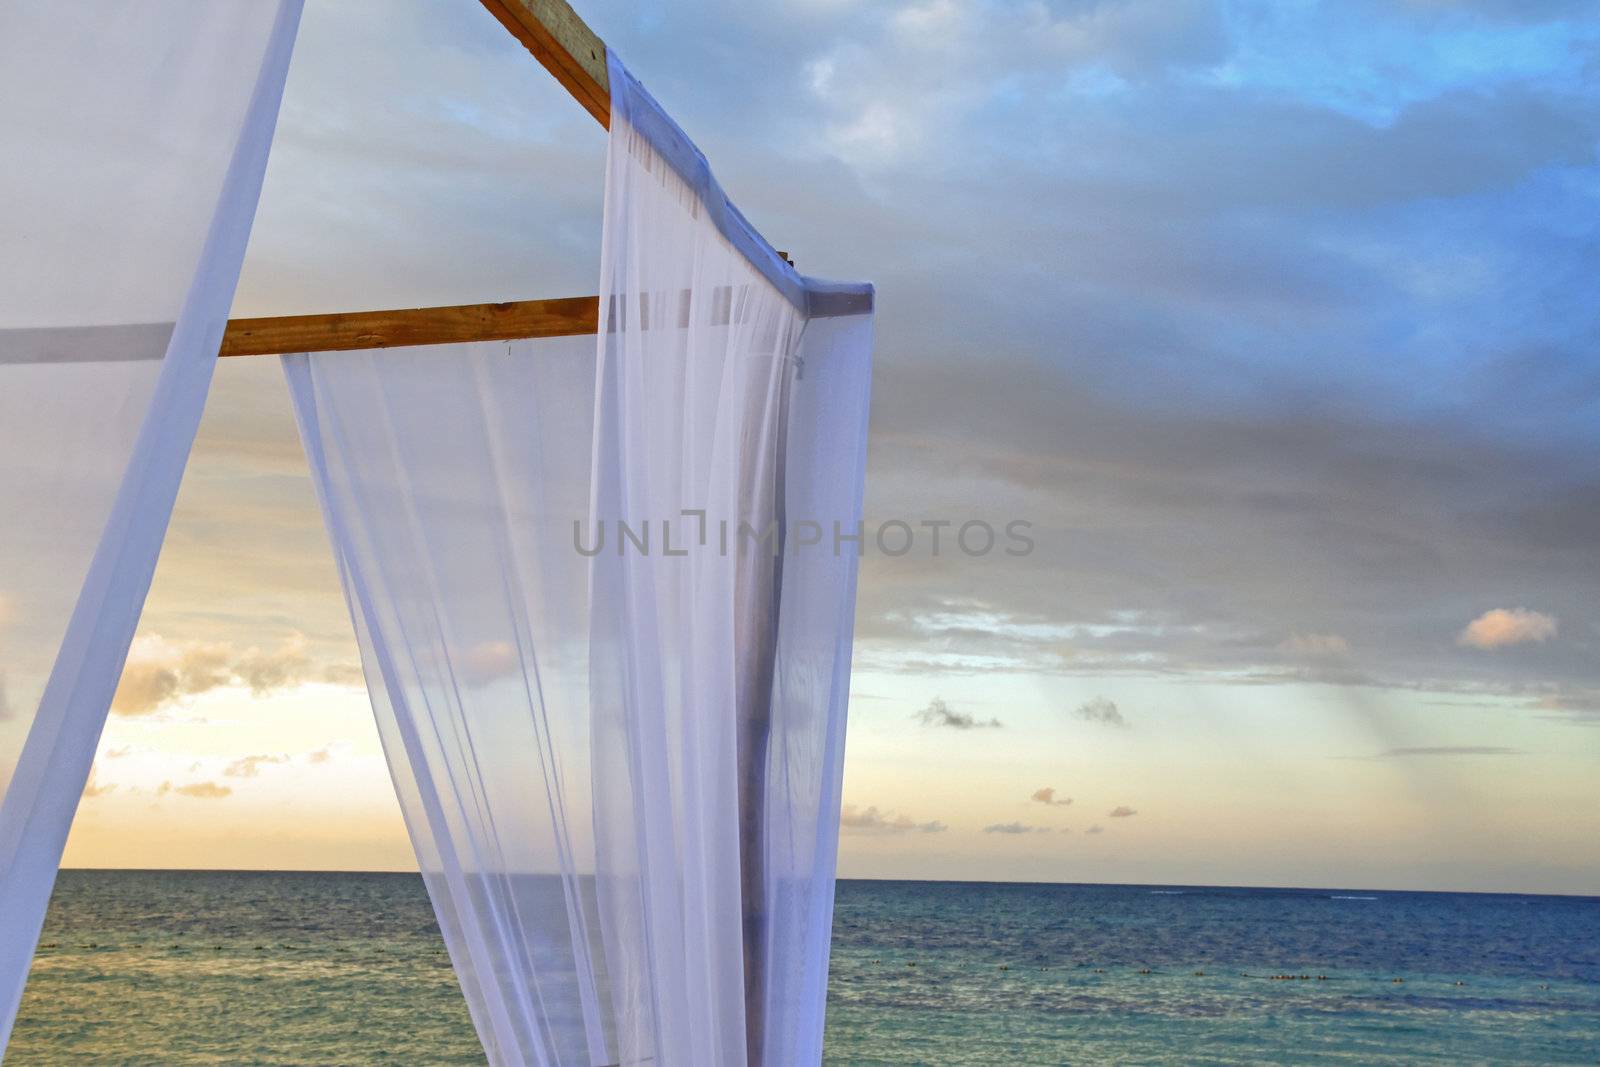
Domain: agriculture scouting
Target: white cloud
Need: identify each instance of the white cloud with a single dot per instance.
(1503, 627)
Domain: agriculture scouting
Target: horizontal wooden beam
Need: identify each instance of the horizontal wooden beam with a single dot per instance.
(565, 45)
(560, 317)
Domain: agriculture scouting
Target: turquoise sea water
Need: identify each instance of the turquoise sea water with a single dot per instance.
(201, 968)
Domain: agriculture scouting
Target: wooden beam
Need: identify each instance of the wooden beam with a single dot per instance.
(560, 317)
(567, 47)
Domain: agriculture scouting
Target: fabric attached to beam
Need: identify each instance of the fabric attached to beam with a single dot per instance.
(671, 152)
(604, 592)
(148, 126)
(719, 676)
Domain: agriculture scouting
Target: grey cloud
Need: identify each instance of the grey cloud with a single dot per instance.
(871, 820)
(1315, 646)
(1452, 750)
(1121, 811)
(1178, 322)
(1047, 795)
(1096, 829)
(1102, 711)
(159, 672)
(1150, 500)
(264, 672)
(1015, 828)
(937, 713)
(346, 674)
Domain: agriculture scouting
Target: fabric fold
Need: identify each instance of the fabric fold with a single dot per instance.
(609, 676)
(112, 306)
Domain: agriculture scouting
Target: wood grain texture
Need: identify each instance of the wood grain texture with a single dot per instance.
(565, 45)
(559, 317)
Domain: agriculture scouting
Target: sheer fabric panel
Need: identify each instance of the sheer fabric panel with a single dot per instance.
(824, 470)
(123, 223)
(695, 346)
(609, 677)
(727, 417)
(450, 479)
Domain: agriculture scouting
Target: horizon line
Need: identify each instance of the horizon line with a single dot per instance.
(1594, 896)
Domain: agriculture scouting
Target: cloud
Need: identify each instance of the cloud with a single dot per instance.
(871, 820)
(1047, 795)
(92, 788)
(1101, 710)
(1014, 828)
(1503, 627)
(159, 672)
(1577, 705)
(264, 672)
(1121, 811)
(250, 766)
(348, 674)
(199, 790)
(1095, 829)
(937, 713)
(1452, 750)
(1315, 646)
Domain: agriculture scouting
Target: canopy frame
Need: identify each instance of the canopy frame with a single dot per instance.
(576, 57)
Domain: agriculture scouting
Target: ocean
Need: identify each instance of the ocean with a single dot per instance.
(172, 968)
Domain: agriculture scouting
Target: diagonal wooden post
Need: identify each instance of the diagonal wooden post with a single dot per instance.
(567, 48)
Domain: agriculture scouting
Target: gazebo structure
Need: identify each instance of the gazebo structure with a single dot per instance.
(599, 552)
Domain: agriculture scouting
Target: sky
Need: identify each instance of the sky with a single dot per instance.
(1276, 321)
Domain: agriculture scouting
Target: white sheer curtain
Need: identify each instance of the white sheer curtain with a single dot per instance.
(607, 629)
(449, 479)
(720, 675)
(136, 135)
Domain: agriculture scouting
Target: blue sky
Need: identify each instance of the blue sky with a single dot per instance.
(1276, 320)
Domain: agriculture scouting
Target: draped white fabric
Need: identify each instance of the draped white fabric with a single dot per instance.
(123, 227)
(449, 478)
(606, 625)
(719, 676)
